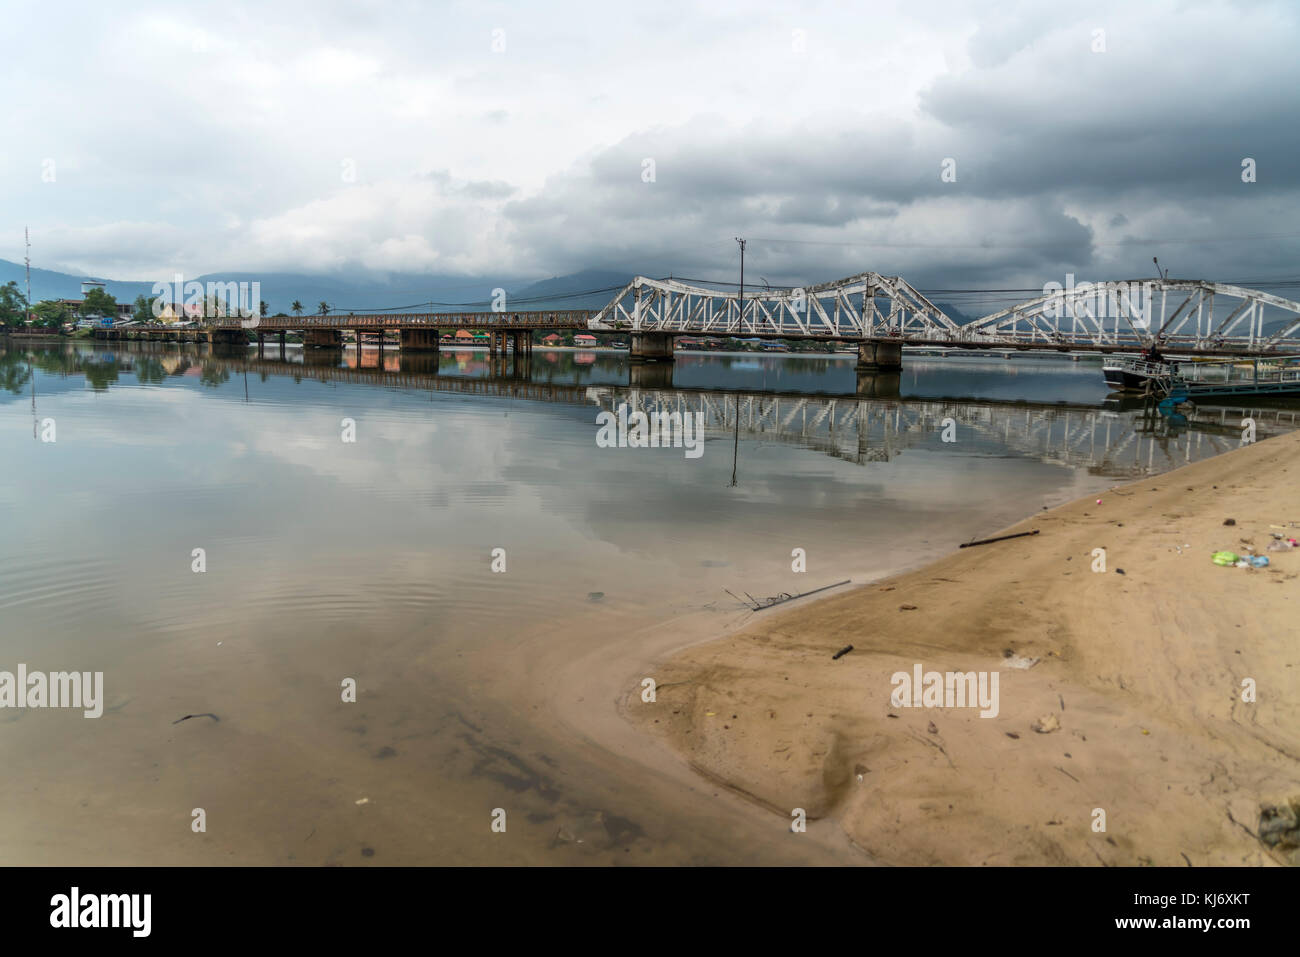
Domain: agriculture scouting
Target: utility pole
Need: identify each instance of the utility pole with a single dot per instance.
(742, 276)
(27, 239)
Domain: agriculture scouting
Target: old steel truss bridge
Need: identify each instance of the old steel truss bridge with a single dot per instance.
(879, 314)
(884, 313)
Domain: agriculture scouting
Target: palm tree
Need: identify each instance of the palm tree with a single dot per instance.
(296, 308)
(324, 309)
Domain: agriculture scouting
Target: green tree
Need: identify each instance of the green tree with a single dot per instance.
(50, 314)
(13, 305)
(323, 309)
(296, 308)
(144, 308)
(263, 308)
(99, 303)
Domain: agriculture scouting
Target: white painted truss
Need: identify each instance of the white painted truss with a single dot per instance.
(860, 307)
(1182, 314)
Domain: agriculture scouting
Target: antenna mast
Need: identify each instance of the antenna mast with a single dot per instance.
(27, 239)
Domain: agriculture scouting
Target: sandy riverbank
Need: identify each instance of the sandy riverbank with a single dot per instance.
(1143, 671)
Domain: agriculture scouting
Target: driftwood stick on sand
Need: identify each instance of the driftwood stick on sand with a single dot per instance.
(1000, 538)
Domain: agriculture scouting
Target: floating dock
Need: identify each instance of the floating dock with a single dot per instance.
(1201, 379)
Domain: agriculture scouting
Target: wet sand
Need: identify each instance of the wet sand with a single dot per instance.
(1143, 671)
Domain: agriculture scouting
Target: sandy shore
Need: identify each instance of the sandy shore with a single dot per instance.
(1143, 671)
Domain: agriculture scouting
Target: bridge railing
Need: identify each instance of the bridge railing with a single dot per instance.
(519, 321)
(1178, 314)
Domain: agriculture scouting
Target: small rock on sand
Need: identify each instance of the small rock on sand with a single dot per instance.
(1047, 724)
(1019, 663)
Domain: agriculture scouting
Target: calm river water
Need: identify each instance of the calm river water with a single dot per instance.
(349, 513)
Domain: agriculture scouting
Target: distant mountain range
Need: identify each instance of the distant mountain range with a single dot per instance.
(588, 289)
(349, 294)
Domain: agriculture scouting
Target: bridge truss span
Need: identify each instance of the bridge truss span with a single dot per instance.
(864, 306)
(1184, 315)
(880, 313)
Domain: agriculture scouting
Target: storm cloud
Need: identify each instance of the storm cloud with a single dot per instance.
(506, 140)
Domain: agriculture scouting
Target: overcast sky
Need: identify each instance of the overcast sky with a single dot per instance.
(145, 139)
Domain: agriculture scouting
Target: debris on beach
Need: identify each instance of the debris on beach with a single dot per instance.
(1279, 827)
(1020, 663)
(1046, 724)
(564, 836)
(1232, 559)
(1229, 521)
(907, 608)
(841, 653)
(758, 604)
(1000, 538)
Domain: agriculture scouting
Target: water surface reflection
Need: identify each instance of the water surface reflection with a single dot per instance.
(328, 559)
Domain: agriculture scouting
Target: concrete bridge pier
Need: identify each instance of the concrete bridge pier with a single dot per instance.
(419, 340)
(880, 355)
(651, 347)
(284, 340)
(324, 339)
(261, 345)
(228, 337)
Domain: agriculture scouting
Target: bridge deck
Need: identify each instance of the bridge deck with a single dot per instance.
(520, 321)
(1184, 317)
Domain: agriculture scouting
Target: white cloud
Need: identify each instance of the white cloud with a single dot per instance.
(214, 137)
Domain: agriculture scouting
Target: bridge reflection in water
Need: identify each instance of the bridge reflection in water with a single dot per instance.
(1120, 440)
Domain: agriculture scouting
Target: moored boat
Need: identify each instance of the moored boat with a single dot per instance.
(1135, 375)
